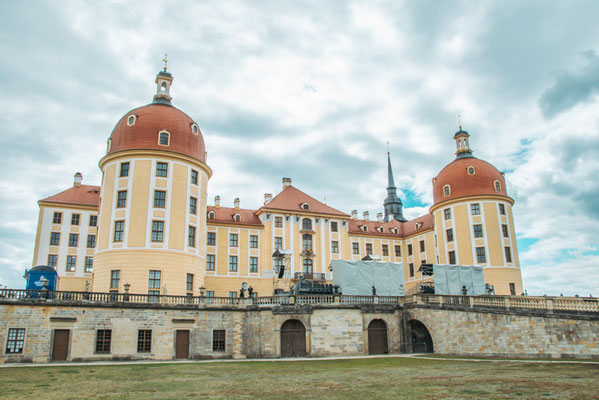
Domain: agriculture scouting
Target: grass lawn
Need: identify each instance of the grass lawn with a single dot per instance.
(374, 378)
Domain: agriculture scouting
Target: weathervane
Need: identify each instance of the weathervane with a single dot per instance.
(164, 60)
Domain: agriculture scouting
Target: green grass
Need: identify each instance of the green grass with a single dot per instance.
(373, 378)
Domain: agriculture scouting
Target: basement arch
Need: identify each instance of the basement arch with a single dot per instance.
(419, 337)
(377, 337)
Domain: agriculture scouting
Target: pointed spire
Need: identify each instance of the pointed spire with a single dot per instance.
(392, 203)
(391, 183)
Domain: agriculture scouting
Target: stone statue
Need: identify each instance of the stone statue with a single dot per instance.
(87, 286)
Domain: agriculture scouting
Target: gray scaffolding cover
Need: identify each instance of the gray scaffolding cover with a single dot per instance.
(358, 277)
(449, 279)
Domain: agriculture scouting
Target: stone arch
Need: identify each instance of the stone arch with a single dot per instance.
(293, 338)
(419, 337)
(377, 337)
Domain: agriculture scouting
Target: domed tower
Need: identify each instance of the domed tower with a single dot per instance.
(152, 213)
(474, 224)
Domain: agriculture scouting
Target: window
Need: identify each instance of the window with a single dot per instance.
(161, 169)
(157, 231)
(278, 222)
(54, 238)
(334, 226)
(131, 120)
(233, 240)
(307, 223)
(421, 246)
(508, 254)
(16, 341)
(449, 234)
(306, 206)
(411, 270)
(93, 220)
(218, 338)
(209, 293)
(475, 209)
(75, 219)
(189, 283)
(191, 237)
(103, 337)
(195, 129)
(501, 209)
(451, 257)
(119, 229)
(447, 213)
(368, 248)
(233, 263)
(73, 239)
(237, 217)
(497, 186)
(232, 294)
(446, 190)
(504, 230)
(307, 241)
(52, 260)
(159, 198)
(194, 177)
(253, 264)
(253, 241)
(512, 289)
(471, 170)
(89, 264)
(409, 250)
(397, 251)
(385, 250)
(115, 279)
(163, 138)
(481, 256)
(210, 262)
(478, 230)
(308, 266)
(278, 242)
(335, 246)
(154, 279)
(211, 238)
(193, 204)
(355, 247)
(57, 218)
(211, 215)
(124, 169)
(144, 340)
(91, 241)
(121, 199)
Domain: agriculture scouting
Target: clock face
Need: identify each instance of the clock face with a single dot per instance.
(244, 285)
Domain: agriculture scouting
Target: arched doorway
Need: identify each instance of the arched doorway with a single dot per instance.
(377, 337)
(293, 339)
(421, 339)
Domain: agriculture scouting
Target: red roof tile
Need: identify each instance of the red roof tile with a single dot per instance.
(403, 228)
(225, 215)
(86, 195)
(291, 199)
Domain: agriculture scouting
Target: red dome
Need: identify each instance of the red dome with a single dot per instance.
(142, 131)
(463, 182)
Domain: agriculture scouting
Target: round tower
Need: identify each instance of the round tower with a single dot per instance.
(474, 224)
(152, 213)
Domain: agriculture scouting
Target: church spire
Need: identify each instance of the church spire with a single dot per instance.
(392, 203)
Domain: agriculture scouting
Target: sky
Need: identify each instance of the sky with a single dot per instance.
(313, 90)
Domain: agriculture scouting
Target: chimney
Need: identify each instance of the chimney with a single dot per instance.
(217, 201)
(379, 217)
(286, 182)
(354, 214)
(77, 179)
(267, 198)
(236, 203)
(366, 215)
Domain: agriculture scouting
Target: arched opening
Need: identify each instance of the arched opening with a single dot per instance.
(307, 224)
(293, 339)
(377, 337)
(419, 338)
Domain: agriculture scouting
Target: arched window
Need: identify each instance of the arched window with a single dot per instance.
(163, 87)
(131, 120)
(471, 170)
(211, 215)
(163, 138)
(237, 217)
(308, 266)
(497, 186)
(446, 190)
(306, 206)
(307, 223)
(307, 241)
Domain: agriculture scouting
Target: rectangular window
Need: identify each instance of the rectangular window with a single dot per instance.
(508, 254)
(115, 279)
(512, 289)
(505, 231)
(211, 238)
(397, 251)
(233, 263)
(119, 229)
(233, 239)
(385, 250)
(253, 264)
(89, 264)
(410, 252)
(253, 241)
(103, 337)
(421, 246)
(451, 257)
(335, 246)
(193, 205)
(91, 241)
(481, 256)
(189, 283)
(355, 248)
(75, 219)
(73, 239)
(124, 169)
(57, 218)
(161, 169)
(278, 222)
(52, 260)
(232, 295)
(210, 264)
(191, 237)
(16, 341)
(278, 242)
(121, 199)
(478, 230)
(144, 341)
(209, 293)
(368, 248)
(411, 270)
(475, 209)
(501, 209)
(54, 238)
(157, 231)
(93, 220)
(218, 340)
(334, 226)
(194, 177)
(159, 198)
(447, 213)
(449, 234)
(154, 279)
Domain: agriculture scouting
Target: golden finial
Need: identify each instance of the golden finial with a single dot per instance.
(164, 60)
(460, 121)
(388, 146)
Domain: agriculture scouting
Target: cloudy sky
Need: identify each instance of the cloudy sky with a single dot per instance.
(313, 91)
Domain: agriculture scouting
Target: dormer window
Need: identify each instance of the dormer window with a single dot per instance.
(364, 228)
(237, 217)
(131, 120)
(211, 215)
(380, 229)
(497, 186)
(471, 170)
(418, 225)
(394, 230)
(305, 206)
(446, 190)
(195, 129)
(163, 138)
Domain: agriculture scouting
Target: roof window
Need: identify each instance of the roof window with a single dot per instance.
(131, 119)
